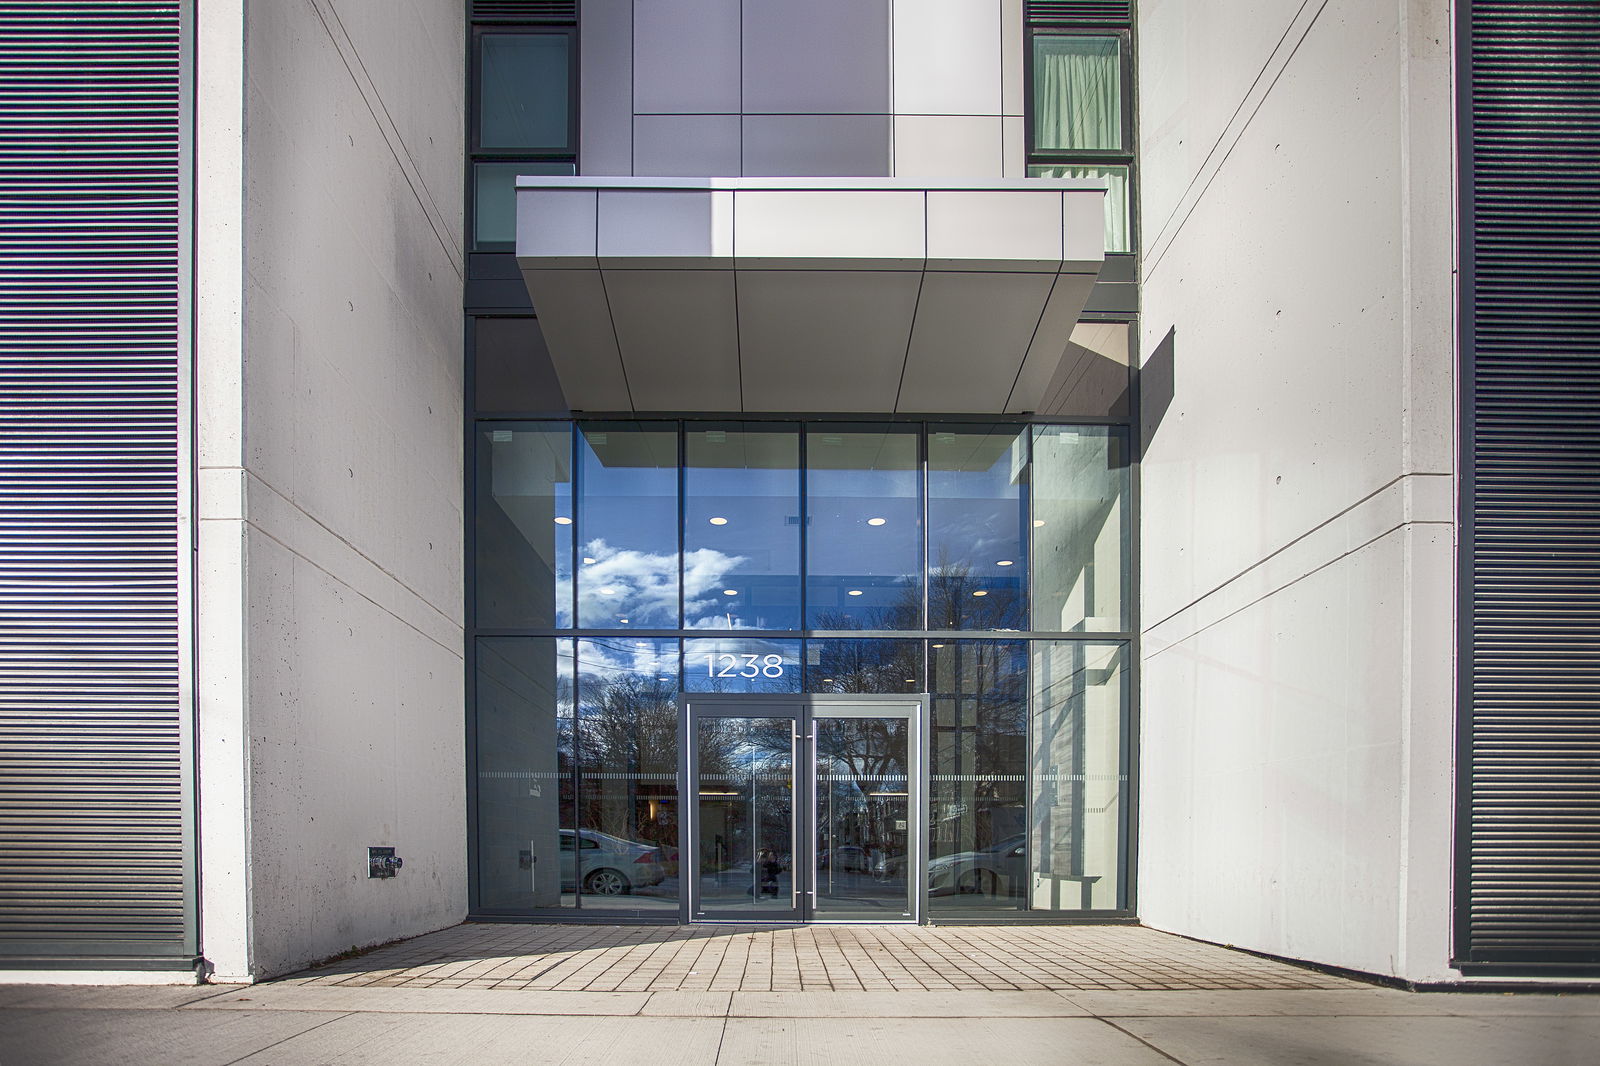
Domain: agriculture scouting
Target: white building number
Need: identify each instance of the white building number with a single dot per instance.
(726, 665)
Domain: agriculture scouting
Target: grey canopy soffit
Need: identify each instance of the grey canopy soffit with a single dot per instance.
(812, 294)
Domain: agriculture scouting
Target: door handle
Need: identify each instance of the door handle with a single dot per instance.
(794, 828)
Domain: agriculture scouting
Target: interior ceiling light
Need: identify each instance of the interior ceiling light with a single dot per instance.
(981, 592)
(876, 521)
(1037, 522)
(730, 592)
(608, 592)
(855, 592)
(1006, 562)
(588, 561)
(624, 621)
(718, 521)
(563, 520)
(938, 645)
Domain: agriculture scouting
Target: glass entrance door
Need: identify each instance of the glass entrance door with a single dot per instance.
(804, 811)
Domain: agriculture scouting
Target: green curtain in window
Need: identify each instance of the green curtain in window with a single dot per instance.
(1077, 90)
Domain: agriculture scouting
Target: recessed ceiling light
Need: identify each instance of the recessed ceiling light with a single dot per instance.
(624, 621)
(663, 677)
(938, 645)
(911, 681)
(608, 592)
(981, 592)
(855, 592)
(876, 521)
(1006, 562)
(587, 561)
(827, 681)
(730, 592)
(718, 521)
(563, 520)
(1037, 522)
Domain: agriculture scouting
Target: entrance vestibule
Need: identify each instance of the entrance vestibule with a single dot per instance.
(808, 809)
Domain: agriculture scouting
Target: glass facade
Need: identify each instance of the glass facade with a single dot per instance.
(980, 570)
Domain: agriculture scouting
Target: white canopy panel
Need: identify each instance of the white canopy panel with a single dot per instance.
(807, 294)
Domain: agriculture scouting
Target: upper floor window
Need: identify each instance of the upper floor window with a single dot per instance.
(1081, 121)
(523, 122)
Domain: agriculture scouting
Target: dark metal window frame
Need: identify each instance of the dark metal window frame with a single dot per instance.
(476, 154)
(1069, 157)
(1128, 638)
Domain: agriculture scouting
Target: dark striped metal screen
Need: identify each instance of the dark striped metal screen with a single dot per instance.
(93, 855)
(1528, 887)
(1078, 12)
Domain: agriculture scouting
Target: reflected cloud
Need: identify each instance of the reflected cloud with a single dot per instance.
(643, 586)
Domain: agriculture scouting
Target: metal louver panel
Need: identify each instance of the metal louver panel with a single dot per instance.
(92, 841)
(1067, 12)
(545, 11)
(1528, 891)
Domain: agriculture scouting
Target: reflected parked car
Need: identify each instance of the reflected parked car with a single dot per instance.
(611, 865)
(997, 870)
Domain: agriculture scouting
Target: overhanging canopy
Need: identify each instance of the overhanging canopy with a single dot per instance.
(807, 294)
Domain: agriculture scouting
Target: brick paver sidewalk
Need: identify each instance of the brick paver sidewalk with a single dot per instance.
(592, 958)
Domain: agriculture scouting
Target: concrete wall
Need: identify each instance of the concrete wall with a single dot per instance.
(1297, 529)
(912, 88)
(329, 440)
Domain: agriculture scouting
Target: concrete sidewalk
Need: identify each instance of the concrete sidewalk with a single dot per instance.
(294, 1022)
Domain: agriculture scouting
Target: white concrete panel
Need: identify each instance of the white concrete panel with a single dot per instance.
(1049, 343)
(822, 57)
(676, 329)
(221, 710)
(686, 57)
(687, 145)
(1297, 486)
(823, 340)
(1272, 771)
(351, 362)
(947, 57)
(817, 145)
(1207, 64)
(662, 225)
(1010, 230)
(583, 345)
(558, 224)
(962, 358)
(605, 96)
(947, 146)
(389, 52)
(834, 225)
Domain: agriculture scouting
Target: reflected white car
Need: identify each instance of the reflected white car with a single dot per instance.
(611, 865)
(997, 870)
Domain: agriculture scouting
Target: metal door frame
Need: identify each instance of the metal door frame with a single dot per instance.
(802, 710)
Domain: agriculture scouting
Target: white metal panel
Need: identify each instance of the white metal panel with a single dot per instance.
(947, 57)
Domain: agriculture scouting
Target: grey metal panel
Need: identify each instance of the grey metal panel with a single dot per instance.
(582, 341)
(817, 340)
(686, 145)
(679, 327)
(818, 145)
(961, 361)
(818, 58)
(1049, 342)
(1528, 785)
(605, 100)
(686, 57)
(93, 848)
